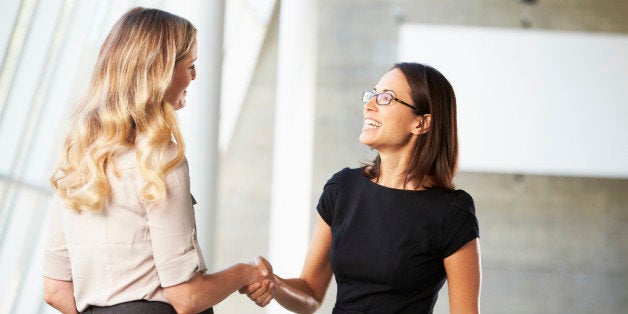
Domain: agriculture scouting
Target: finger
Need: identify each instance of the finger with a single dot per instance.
(265, 291)
(261, 300)
(257, 293)
(267, 300)
(250, 288)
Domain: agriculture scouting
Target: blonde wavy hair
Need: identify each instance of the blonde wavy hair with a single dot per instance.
(124, 107)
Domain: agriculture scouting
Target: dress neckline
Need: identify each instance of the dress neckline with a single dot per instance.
(383, 187)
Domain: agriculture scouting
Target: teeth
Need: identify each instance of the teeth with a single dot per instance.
(372, 123)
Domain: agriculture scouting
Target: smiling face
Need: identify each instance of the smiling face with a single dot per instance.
(393, 126)
(184, 73)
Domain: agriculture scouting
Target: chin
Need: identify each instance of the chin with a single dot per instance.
(179, 104)
(365, 140)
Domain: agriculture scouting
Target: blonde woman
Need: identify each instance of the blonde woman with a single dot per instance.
(122, 234)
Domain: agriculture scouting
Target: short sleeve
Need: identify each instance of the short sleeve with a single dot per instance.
(56, 256)
(173, 231)
(460, 225)
(327, 201)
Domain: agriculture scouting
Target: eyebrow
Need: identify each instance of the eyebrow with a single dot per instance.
(385, 90)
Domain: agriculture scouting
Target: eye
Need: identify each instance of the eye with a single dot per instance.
(385, 97)
(192, 67)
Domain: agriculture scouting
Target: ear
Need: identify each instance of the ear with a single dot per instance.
(423, 124)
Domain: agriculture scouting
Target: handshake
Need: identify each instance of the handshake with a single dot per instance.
(261, 290)
(299, 295)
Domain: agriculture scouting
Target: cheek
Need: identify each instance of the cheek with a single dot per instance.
(185, 80)
(404, 123)
(181, 79)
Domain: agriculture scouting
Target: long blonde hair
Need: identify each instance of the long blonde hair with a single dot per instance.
(124, 107)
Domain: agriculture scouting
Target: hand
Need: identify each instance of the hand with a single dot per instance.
(263, 269)
(261, 292)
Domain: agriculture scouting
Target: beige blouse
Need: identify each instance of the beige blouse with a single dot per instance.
(127, 251)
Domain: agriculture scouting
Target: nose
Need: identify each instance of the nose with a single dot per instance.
(193, 74)
(370, 105)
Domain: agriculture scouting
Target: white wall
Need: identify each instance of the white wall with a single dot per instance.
(530, 101)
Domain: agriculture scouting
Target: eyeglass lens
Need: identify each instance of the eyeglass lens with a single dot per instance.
(381, 98)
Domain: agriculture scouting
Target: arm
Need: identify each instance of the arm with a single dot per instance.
(178, 260)
(58, 285)
(204, 291)
(304, 294)
(464, 276)
(60, 295)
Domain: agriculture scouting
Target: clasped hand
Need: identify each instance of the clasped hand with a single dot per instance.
(263, 291)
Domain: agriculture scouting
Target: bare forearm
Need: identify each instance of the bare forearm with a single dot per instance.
(60, 295)
(464, 278)
(220, 285)
(64, 306)
(295, 295)
(204, 291)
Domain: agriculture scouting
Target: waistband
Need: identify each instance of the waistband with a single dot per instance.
(137, 307)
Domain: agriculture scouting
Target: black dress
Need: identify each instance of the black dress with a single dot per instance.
(388, 245)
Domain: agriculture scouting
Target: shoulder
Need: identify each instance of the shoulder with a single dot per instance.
(344, 175)
(460, 224)
(458, 206)
(181, 171)
(327, 204)
(461, 200)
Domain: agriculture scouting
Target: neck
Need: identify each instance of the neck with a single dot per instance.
(392, 172)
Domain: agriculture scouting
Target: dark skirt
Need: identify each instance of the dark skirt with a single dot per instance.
(137, 307)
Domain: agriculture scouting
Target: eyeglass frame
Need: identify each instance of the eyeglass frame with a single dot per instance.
(386, 104)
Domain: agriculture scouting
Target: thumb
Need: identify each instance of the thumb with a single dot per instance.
(261, 267)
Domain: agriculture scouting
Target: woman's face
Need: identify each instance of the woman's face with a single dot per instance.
(390, 127)
(184, 73)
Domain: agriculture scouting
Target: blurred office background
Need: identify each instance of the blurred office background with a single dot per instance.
(541, 85)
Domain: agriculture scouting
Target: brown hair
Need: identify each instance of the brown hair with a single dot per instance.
(436, 152)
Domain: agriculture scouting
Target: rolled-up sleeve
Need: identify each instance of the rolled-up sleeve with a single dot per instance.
(56, 257)
(172, 230)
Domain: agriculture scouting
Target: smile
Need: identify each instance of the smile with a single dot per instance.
(370, 124)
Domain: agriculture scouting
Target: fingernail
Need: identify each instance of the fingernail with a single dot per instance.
(255, 285)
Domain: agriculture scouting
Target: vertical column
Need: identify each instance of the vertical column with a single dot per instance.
(200, 118)
(291, 206)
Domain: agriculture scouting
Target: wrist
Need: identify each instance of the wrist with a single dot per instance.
(252, 273)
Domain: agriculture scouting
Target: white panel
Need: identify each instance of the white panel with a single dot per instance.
(23, 209)
(246, 27)
(8, 15)
(290, 206)
(31, 262)
(199, 119)
(20, 97)
(532, 101)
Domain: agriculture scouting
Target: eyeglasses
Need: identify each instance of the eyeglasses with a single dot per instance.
(384, 99)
